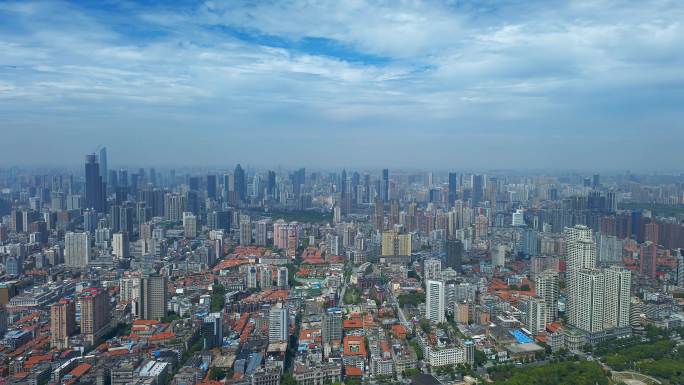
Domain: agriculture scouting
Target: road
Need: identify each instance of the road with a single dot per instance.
(340, 302)
(400, 311)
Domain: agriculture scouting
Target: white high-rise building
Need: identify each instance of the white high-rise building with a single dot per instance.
(609, 249)
(537, 316)
(278, 323)
(547, 288)
(518, 218)
(432, 269)
(261, 232)
(76, 249)
(189, 225)
(266, 277)
(618, 281)
(434, 301)
(120, 245)
(581, 254)
(251, 277)
(129, 289)
(589, 303)
(173, 206)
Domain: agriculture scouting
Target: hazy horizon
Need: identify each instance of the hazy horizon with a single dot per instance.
(474, 85)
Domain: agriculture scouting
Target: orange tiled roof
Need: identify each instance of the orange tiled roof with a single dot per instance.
(163, 336)
(80, 370)
(353, 371)
(352, 341)
(355, 323)
(141, 322)
(230, 263)
(398, 329)
(553, 326)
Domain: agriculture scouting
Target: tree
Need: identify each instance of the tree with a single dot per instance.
(425, 325)
(216, 374)
(288, 379)
(480, 357)
(417, 349)
(413, 299)
(218, 299)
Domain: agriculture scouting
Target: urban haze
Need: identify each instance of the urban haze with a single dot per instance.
(352, 193)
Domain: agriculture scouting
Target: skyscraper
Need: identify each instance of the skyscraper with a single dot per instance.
(211, 186)
(240, 184)
(454, 254)
(212, 330)
(245, 230)
(499, 256)
(94, 185)
(298, 178)
(283, 277)
(331, 327)
(153, 297)
(76, 249)
(434, 301)
(271, 183)
(379, 214)
(648, 259)
(547, 288)
(385, 186)
(453, 186)
(261, 232)
(581, 254)
(189, 225)
(394, 213)
(62, 322)
(251, 277)
(394, 243)
(120, 245)
(477, 188)
(174, 205)
(265, 277)
(278, 323)
(679, 278)
(103, 163)
(95, 314)
(618, 281)
(588, 305)
(345, 194)
(537, 316)
(432, 269)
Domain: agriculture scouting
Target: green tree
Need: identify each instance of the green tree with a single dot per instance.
(218, 299)
(216, 374)
(288, 379)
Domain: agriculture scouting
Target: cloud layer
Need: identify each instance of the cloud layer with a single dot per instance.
(453, 84)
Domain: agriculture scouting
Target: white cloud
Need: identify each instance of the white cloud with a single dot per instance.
(444, 66)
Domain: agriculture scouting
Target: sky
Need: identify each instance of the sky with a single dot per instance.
(462, 84)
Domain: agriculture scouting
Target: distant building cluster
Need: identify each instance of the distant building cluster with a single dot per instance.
(161, 276)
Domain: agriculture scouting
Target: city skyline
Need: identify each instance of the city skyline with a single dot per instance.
(297, 276)
(586, 85)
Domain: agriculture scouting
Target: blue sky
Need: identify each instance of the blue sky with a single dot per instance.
(435, 84)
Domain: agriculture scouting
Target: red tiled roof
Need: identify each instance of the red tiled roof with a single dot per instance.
(353, 371)
(80, 370)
